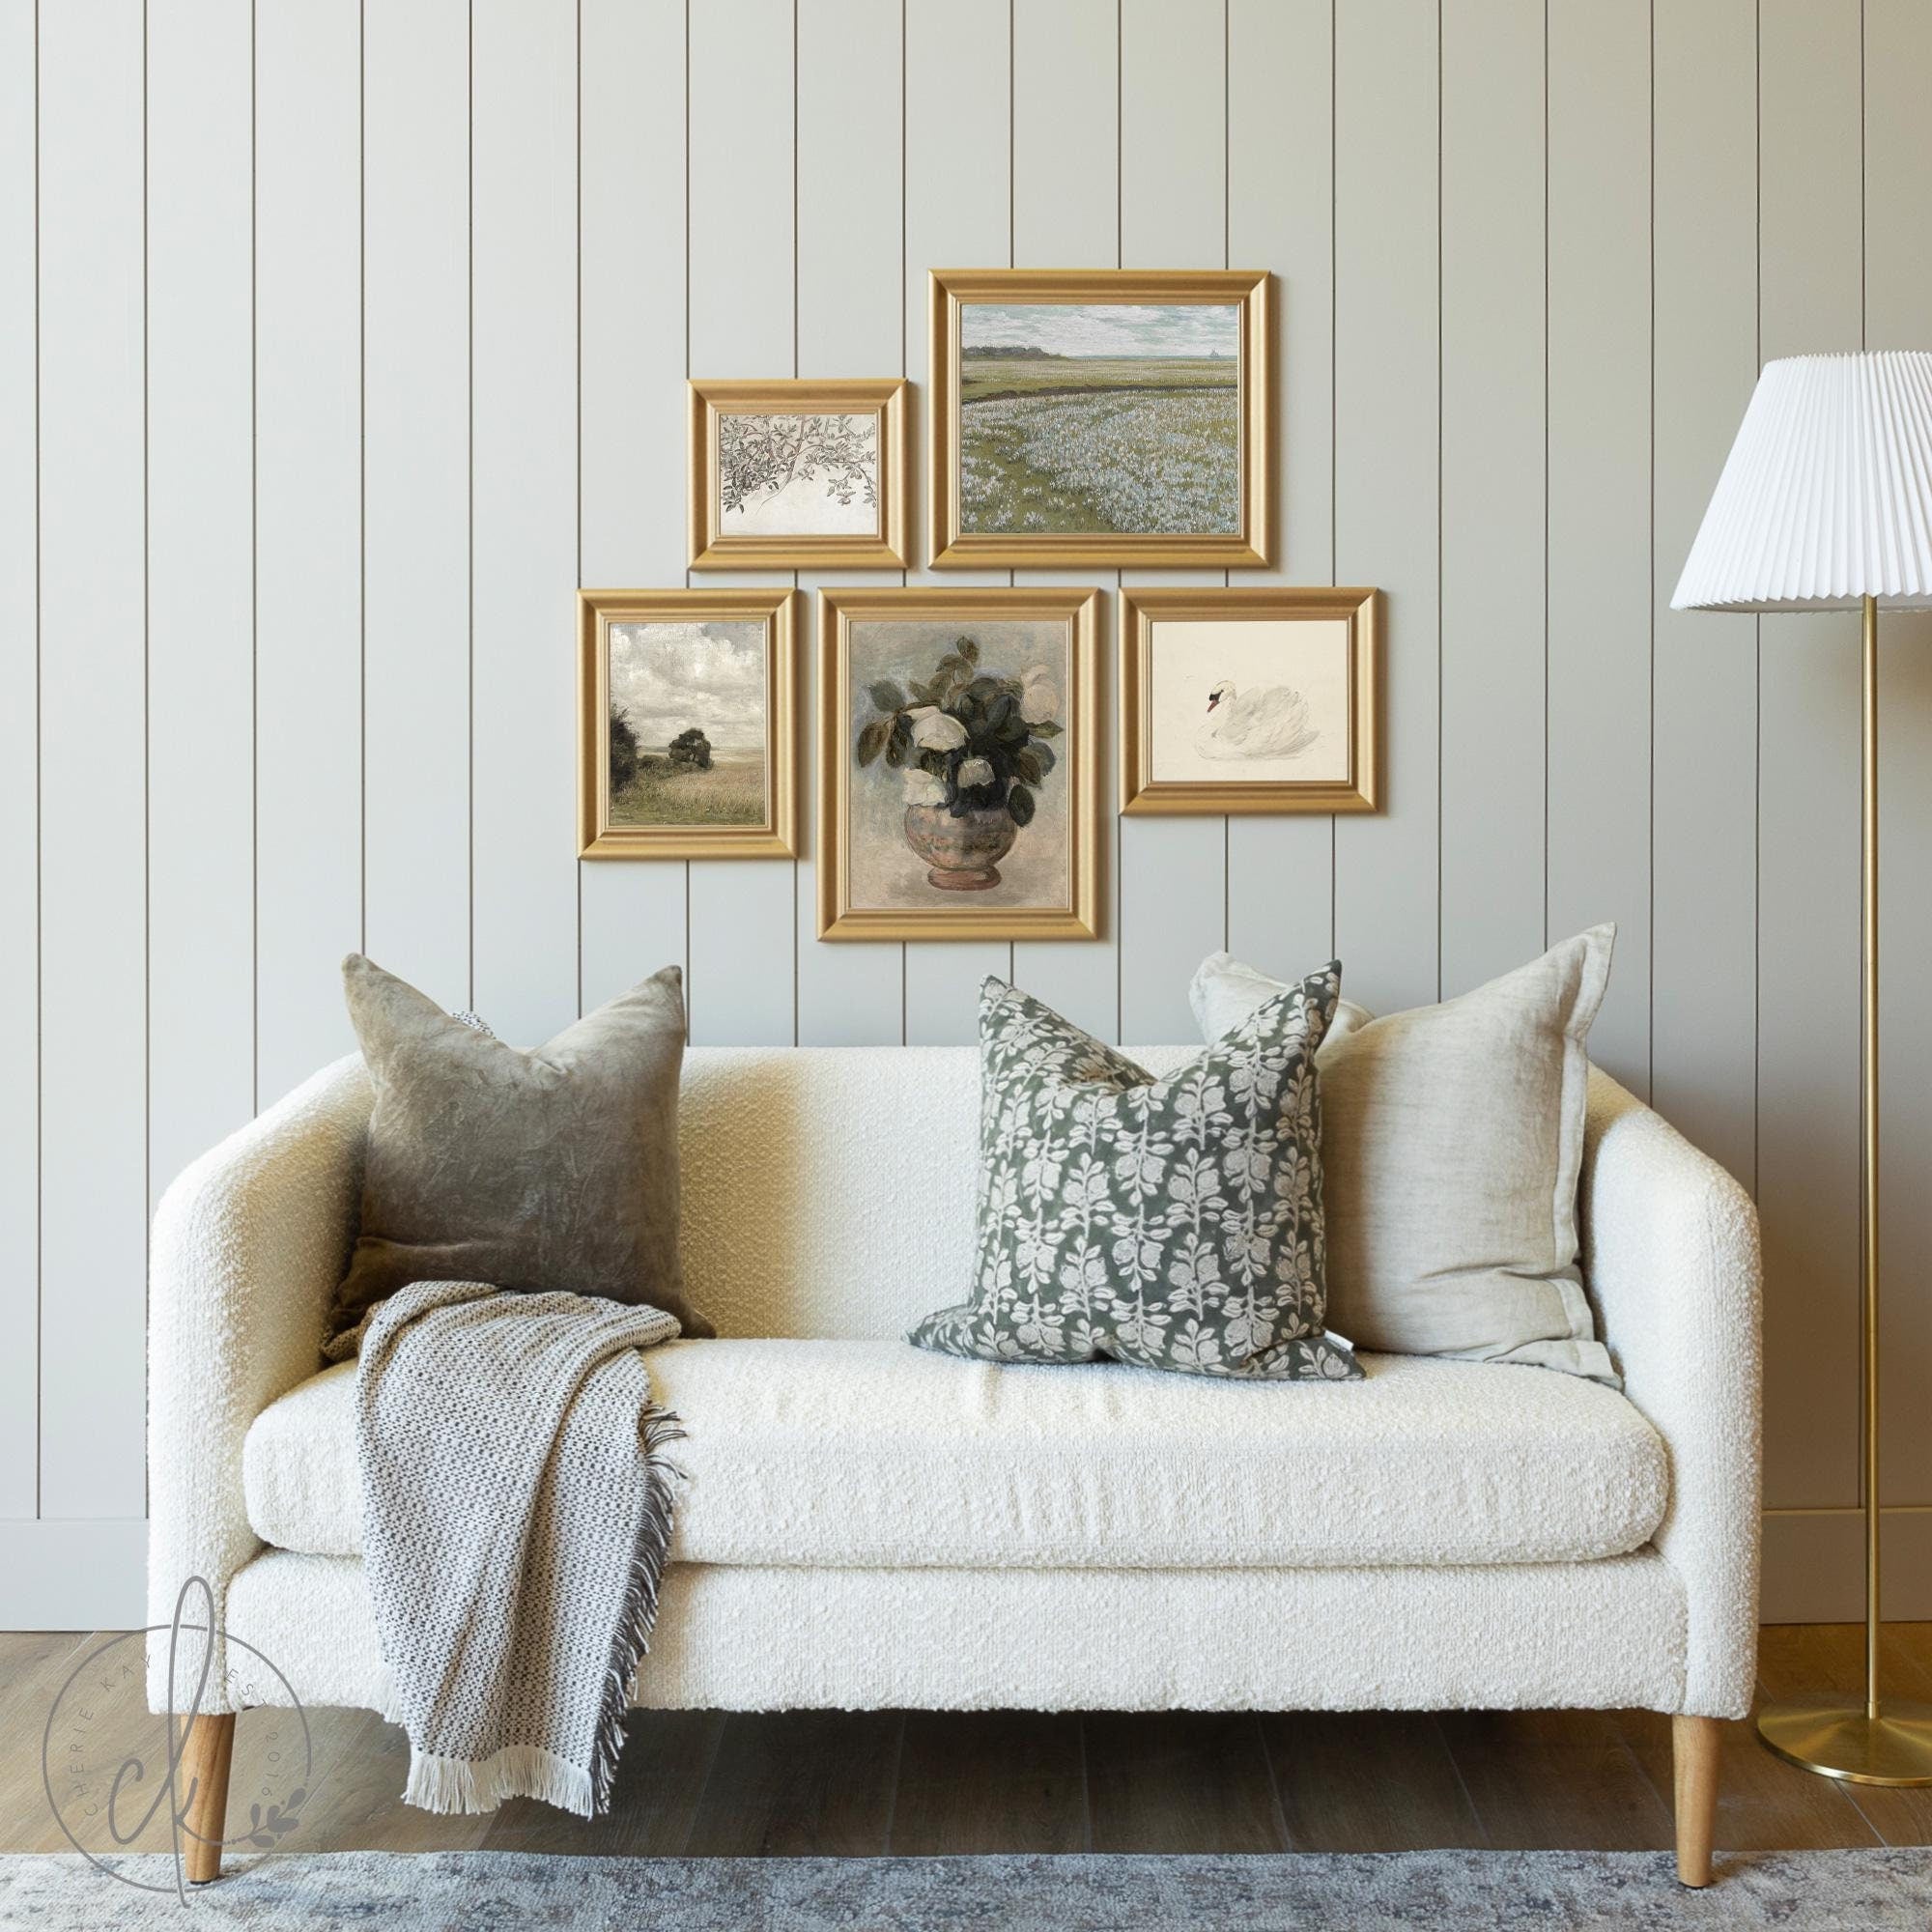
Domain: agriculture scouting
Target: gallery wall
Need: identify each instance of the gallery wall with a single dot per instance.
(339, 343)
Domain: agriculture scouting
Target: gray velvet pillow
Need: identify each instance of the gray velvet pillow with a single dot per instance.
(554, 1169)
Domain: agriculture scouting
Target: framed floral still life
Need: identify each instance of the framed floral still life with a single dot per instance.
(960, 778)
(1260, 699)
(688, 723)
(1101, 416)
(799, 475)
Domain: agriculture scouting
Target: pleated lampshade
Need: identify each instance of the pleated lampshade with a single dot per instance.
(1827, 494)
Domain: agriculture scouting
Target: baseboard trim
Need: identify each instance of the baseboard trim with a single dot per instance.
(83, 1576)
(73, 1574)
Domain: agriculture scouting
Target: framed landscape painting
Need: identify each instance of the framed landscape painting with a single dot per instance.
(1101, 416)
(1255, 699)
(960, 778)
(688, 704)
(799, 475)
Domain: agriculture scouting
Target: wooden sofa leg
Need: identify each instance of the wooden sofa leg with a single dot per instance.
(206, 1753)
(1693, 1753)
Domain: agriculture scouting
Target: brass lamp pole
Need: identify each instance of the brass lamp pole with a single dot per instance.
(1826, 503)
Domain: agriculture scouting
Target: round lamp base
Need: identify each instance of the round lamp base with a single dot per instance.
(1833, 1737)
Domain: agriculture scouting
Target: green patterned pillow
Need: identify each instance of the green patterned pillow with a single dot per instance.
(1175, 1223)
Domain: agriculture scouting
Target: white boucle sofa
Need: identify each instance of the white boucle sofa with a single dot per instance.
(868, 1525)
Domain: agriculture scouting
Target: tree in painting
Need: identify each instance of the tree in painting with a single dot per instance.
(761, 456)
(693, 748)
(623, 752)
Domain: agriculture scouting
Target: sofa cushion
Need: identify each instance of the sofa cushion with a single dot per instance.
(873, 1454)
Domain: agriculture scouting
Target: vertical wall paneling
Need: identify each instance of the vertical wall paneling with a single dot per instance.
(201, 680)
(338, 343)
(1174, 214)
(524, 509)
(1810, 193)
(852, 288)
(419, 684)
(744, 322)
(93, 1205)
(1599, 570)
(1387, 457)
(1493, 564)
(957, 217)
(631, 278)
(1705, 725)
(1898, 315)
(19, 769)
(308, 513)
(1281, 216)
(1070, 112)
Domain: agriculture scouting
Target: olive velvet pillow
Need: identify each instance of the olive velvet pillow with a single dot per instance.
(1452, 1145)
(554, 1169)
(1175, 1223)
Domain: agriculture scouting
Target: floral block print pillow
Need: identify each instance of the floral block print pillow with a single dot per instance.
(1175, 1223)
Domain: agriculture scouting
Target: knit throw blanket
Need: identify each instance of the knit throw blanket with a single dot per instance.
(517, 1515)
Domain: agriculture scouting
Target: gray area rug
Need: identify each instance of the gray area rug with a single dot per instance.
(494, 1891)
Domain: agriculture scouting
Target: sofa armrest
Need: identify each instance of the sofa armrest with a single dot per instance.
(249, 1244)
(1671, 1253)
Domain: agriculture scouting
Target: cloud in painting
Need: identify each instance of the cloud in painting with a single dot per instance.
(1103, 328)
(666, 678)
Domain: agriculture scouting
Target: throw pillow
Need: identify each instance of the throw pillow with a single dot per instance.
(1175, 1223)
(555, 1169)
(1452, 1142)
(1225, 992)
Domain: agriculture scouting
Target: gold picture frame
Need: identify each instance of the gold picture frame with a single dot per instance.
(715, 787)
(1271, 728)
(717, 406)
(898, 633)
(955, 292)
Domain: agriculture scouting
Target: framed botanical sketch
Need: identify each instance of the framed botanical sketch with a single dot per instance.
(960, 776)
(1101, 416)
(1260, 699)
(688, 723)
(799, 475)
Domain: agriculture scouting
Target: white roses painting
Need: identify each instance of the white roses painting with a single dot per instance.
(959, 776)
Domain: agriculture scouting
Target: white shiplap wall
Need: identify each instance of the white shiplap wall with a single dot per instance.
(339, 342)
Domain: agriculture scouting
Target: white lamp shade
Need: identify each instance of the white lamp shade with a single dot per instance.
(1827, 494)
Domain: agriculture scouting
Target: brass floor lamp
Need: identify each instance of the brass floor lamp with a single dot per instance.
(1826, 504)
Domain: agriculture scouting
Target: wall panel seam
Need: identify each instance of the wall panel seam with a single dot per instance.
(470, 449)
(147, 771)
(254, 578)
(39, 779)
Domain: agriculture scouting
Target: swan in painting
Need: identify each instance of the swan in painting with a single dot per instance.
(1271, 722)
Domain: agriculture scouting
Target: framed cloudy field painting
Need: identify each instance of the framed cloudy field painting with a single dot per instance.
(960, 780)
(799, 475)
(687, 726)
(1255, 699)
(1101, 416)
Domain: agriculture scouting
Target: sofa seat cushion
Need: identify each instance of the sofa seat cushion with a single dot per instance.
(876, 1454)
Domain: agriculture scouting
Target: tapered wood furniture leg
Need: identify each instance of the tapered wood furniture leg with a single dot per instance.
(205, 1756)
(1693, 1755)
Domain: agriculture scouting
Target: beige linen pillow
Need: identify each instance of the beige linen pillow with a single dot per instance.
(1451, 1145)
(554, 1169)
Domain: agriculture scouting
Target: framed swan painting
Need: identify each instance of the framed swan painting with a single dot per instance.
(1255, 699)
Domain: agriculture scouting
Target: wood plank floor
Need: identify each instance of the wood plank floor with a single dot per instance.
(706, 1784)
